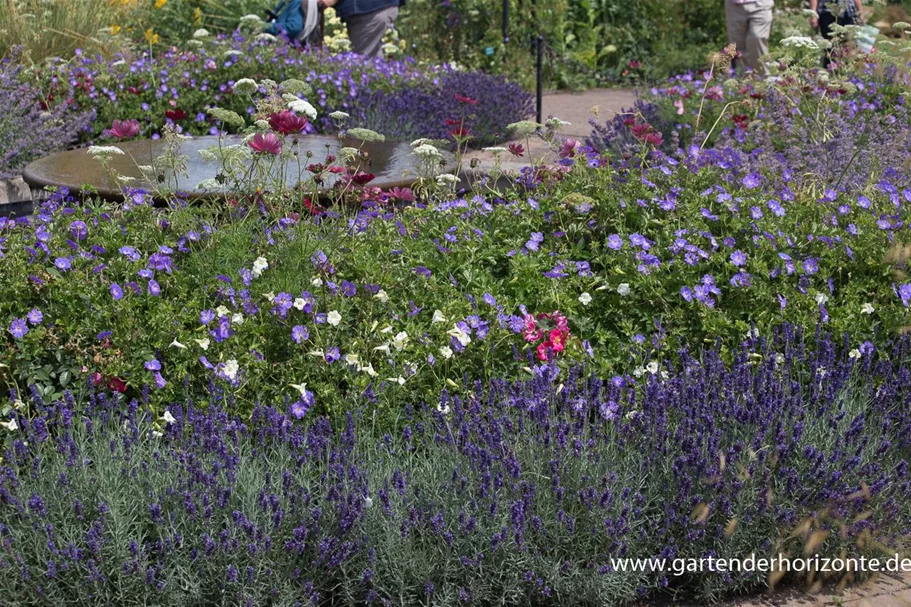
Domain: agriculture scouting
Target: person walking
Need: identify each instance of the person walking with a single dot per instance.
(749, 23)
(297, 19)
(367, 22)
(841, 12)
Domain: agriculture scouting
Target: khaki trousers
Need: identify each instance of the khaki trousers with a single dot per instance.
(366, 31)
(748, 27)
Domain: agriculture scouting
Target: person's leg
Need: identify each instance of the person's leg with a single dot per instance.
(737, 25)
(366, 31)
(757, 44)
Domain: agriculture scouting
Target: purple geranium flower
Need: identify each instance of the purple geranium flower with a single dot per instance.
(35, 317)
(18, 328)
(300, 334)
(116, 291)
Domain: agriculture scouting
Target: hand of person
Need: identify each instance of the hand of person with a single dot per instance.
(326, 3)
(814, 22)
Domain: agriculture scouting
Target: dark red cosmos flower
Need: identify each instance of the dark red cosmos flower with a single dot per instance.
(362, 178)
(460, 132)
(741, 121)
(175, 114)
(467, 100)
(335, 170)
(124, 129)
(644, 132)
(316, 167)
(287, 122)
(314, 209)
(453, 122)
(133, 90)
(634, 65)
(517, 149)
(117, 385)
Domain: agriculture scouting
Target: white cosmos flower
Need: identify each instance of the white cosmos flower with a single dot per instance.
(334, 318)
(382, 296)
(867, 309)
(299, 303)
(585, 299)
(302, 388)
(400, 341)
(463, 337)
(446, 352)
(230, 369)
(260, 265)
(437, 317)
(168, 418)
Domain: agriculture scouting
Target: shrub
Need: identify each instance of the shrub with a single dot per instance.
(434, 111)
(177, 86)
(515, 493)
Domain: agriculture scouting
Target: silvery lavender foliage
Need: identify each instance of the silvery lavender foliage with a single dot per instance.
(432, 110)
(510, 493)
(26, 130)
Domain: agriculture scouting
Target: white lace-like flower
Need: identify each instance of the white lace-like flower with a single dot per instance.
(300, 106)
(245, 86)
(105, 150)
(446, 352)
(201, 33)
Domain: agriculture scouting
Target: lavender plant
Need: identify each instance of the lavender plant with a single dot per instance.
(513, 493)
(26, 130)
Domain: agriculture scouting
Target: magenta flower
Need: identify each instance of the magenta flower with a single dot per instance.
(270, 143)
(569, 147)
(287, 123)
(124, 129)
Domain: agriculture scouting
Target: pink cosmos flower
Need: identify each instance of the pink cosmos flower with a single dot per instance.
(270, 143)
(124, 129)
(569, 147)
